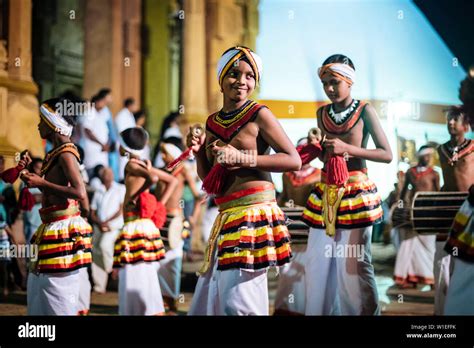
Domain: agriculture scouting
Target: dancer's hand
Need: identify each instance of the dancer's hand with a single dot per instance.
(104, 227)
(228, 156)
(195, 142)
(115, 273)
(32, 180)
(25, 159)
(336, 147)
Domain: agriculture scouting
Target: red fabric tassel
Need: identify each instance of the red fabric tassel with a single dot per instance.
(337, 173)
(10, 175)
(26, 201)
(309, 152)
(150, 208)
(183, 157)
(213, 183)
(159, 216)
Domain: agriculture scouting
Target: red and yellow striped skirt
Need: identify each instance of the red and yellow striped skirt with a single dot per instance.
(355, 205)
(64, 240)
(461, 237)
(250, 231)
(139, 241)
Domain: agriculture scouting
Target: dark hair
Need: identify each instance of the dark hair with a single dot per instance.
(128, 102)
(103, 93)
(135, 137)
(339, 58)
(178, 142)
(455, 110)
(34, 160)
(96, 170)
(72, 96)
(172, 116)
(138, 114)
(52, 103)
(424, 147)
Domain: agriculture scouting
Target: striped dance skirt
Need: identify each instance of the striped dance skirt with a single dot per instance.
(250, 231)
(461, 237)
(64, 240)
(138, 241)
(355, 205)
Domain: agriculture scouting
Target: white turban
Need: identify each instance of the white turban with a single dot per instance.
(172, 150)
(425, 151)
(343, 71)
(127, 148)
(230, 57)
(55, 121)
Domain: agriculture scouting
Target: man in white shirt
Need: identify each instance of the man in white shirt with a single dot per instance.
(107, 219)
(96, 142)
(124, 120)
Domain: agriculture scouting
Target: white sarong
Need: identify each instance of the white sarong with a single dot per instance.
(139, 290)
(339, 273)
(290, 296)
(53, 293)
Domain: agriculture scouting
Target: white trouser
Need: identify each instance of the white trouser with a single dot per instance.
(290, 294)
(84, 291)
(460, 296)
(102, 258)
(53, 293)
(208, 221)
(170, 272)
(339, 273)
(139, 290)
(415, 259)
(230, 292)
(442, 270)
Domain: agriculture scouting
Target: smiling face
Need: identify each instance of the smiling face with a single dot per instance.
(335, 88)
(239, 82)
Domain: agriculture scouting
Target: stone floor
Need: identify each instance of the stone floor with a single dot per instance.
(393, 301)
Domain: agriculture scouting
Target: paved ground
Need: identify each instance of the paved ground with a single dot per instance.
(393, 301)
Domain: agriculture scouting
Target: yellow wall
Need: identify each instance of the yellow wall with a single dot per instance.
(156, 69)
(299, 109)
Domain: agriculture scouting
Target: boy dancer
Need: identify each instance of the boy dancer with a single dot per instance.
(457, 162)
(414, 264)
(461, 239)
(64, 238)
(349, 206)
(249, 235)
(138, 247)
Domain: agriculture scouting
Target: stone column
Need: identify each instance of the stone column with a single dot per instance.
(193, 84)
(19, 40)
(229, 23)
(18, 103)
(112, 50)
(132, 64)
